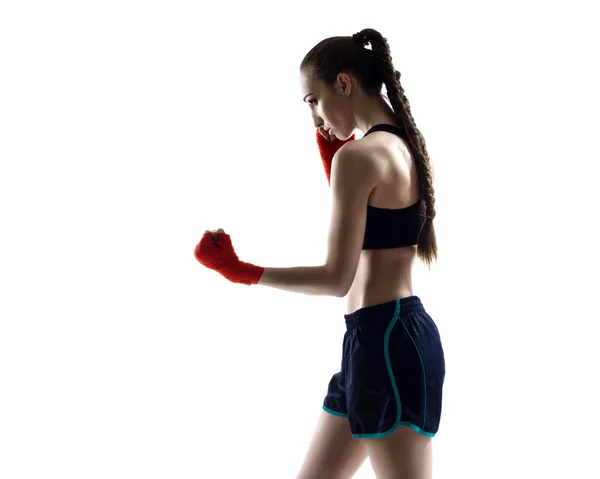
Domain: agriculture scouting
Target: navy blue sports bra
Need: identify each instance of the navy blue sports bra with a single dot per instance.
(393, 228)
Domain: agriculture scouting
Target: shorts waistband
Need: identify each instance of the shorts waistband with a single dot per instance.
(384, 311)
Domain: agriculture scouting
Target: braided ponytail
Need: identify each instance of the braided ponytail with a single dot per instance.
(427, 245)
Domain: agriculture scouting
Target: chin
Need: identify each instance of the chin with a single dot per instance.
(343, 137)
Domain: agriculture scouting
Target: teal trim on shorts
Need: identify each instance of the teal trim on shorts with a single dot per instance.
(335, 413)
(424, 377)
(386, 352)
(387, 433)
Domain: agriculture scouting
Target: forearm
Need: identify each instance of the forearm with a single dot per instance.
(314, 280)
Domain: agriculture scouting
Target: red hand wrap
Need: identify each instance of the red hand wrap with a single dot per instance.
(221, 258)
(327, 150)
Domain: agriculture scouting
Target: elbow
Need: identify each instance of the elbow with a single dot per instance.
(341, 292)
(338, 282)
(342, 287)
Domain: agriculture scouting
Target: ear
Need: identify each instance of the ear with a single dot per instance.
(343, 85)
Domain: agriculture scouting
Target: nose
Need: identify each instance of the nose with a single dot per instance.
(318, 122)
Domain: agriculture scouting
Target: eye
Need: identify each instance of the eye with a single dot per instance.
(312, 101)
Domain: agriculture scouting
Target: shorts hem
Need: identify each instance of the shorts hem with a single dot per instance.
(335, 413)
(387, 433)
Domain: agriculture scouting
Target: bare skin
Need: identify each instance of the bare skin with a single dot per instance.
(333, 453)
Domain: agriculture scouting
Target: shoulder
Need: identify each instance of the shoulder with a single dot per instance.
(357, 165)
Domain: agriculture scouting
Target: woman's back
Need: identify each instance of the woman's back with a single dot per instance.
(385, 274)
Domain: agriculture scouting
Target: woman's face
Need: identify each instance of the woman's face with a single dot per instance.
(329, 106)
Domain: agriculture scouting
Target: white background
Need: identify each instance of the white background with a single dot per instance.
(128, 128)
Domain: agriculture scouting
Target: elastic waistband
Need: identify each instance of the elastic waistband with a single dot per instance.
(383, 311)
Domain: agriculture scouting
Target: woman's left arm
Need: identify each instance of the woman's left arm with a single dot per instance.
(353, 178)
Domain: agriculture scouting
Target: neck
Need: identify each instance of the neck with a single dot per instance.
(374, 112)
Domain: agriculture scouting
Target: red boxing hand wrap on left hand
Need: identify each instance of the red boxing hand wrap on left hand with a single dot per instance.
(221, 257)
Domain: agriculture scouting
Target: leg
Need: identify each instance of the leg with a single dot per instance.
(333, 453)
(404, 454)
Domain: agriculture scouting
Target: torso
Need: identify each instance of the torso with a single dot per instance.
(386, 274)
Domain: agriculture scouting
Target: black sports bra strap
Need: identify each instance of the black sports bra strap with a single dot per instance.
(387, 127)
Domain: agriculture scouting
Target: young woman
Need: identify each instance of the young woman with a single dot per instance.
(386, 400)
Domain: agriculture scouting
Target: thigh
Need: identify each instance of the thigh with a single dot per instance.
(333, 452)
(404, 454)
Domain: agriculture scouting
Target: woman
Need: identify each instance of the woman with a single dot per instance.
(385, 402)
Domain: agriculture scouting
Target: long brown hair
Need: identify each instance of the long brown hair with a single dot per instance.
(374, 68)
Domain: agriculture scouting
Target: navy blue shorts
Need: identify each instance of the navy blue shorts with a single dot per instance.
(392, 371)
